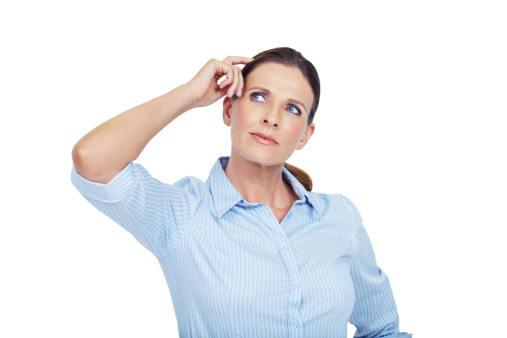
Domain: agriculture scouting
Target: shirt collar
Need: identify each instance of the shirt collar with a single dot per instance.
(225, 195)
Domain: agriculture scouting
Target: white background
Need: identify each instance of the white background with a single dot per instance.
(411, 127)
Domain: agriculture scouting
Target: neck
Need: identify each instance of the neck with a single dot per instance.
(258, 183)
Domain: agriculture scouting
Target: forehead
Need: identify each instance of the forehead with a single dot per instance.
(281, 80)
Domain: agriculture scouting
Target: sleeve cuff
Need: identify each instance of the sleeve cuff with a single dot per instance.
(403, 335)
(115, 190)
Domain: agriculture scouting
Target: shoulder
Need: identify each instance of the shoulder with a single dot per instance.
(337, 209)
(338, 214)
(335, 205)
(188, 185)
(347, 203)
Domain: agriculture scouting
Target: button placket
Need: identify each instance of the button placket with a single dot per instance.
(293, 277)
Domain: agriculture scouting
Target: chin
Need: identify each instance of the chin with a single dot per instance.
(263, 158)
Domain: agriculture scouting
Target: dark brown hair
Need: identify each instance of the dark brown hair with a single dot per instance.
(292, 58)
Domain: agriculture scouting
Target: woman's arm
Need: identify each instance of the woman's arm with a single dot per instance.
(106, 150)
(375, 314)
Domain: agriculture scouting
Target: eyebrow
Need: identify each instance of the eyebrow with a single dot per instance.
(269, 92)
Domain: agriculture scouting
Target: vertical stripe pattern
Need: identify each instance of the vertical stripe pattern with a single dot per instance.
(234, 271)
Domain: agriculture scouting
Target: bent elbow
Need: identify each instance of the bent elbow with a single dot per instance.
(88, 166)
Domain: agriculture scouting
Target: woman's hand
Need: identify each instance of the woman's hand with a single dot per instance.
(205, 85)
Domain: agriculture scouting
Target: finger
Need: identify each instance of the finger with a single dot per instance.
(241, 85)
(225, 83)
(236, 60)
(239, 79)
(235, 81)
(228, 71)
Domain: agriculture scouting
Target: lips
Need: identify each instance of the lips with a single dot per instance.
(264, 138)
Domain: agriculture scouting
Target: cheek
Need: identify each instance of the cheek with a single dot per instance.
(295, 133)
(240, 124)
(244, 116)
(243, 119)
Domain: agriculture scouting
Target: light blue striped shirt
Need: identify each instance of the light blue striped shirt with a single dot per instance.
(234, 271)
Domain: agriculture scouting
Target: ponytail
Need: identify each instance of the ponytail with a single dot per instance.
(301, 175)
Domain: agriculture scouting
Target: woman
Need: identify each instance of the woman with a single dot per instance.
(251, 251)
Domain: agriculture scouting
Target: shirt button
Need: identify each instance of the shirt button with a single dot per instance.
(285, 246)
(296, 326)
(297, 284)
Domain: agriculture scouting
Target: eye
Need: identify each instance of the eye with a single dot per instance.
(255, 96)
(295, 109)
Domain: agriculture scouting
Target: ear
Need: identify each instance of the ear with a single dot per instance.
(226, 111)
(306, 136)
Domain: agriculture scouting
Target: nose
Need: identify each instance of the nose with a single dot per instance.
(270, 118)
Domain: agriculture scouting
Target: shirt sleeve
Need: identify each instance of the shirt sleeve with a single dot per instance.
(375, 314)
(153, 212)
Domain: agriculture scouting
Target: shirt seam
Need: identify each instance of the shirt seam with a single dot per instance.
(354, 214)
(179, 229)
(126, 203)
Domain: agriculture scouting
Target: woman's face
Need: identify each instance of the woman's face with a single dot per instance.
(276, 101)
